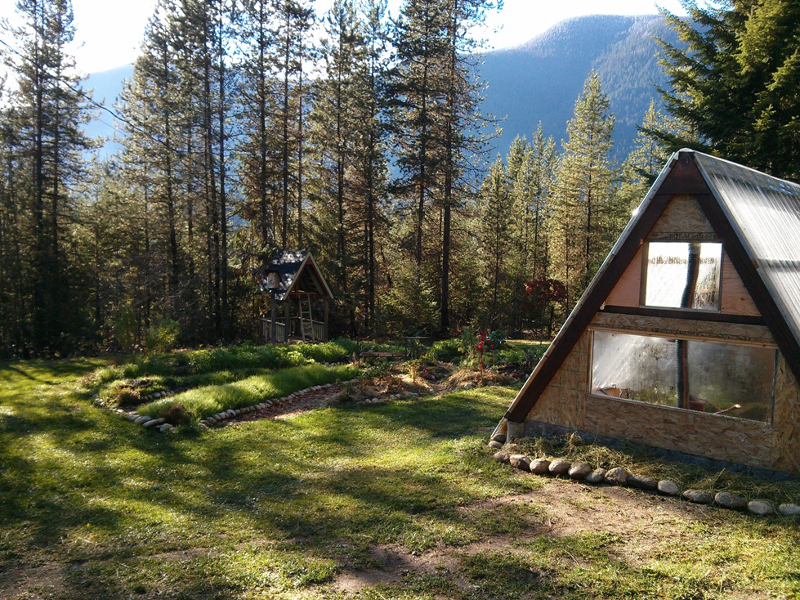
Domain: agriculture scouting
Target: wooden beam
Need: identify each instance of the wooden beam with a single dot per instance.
(327, 310)
(683, 176)
(669, 313)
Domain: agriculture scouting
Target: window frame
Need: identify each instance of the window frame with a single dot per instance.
(668, 336)
(681, 239)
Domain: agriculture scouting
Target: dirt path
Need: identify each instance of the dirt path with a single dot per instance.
(561, 508)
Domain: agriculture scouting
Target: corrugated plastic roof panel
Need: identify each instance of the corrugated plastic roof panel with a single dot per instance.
(765, 211)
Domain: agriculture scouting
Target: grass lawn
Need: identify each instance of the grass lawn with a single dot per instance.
(394, 501)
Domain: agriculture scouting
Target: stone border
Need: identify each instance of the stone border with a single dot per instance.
(235, 412)
(161, 425)
(621, 477)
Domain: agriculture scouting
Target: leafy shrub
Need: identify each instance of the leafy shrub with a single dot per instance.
(162, 335)
(446, 350)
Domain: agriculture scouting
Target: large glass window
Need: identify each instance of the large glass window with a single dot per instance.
(683, 275)
(719, 378)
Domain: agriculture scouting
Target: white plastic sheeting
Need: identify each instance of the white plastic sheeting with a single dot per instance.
(636, 367)
(733, 379)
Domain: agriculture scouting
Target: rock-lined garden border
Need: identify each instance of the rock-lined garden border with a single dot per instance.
(161, 425)
(620, 476)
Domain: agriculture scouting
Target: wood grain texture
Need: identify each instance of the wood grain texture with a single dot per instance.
(563, 401)
(786, 421)
(626, 292)
(683, 220)
(713, 436)
(734, 297)
(699, 330)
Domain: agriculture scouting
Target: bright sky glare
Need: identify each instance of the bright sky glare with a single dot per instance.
(109, 31)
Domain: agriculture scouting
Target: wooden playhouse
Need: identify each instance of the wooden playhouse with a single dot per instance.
(688, 337)
(296, 298)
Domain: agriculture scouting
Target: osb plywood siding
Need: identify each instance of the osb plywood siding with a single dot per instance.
(563, 401)
(703, 330)
(734, 298)
(683, 219)
(713, 436)
(786, 421)
(626, 292)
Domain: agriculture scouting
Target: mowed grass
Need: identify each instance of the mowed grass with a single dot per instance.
(93, 507)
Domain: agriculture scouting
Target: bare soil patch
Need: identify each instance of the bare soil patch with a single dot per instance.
(561, 508)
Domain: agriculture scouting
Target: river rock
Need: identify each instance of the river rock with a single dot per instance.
(141, 420)
(502, 457)
(617, 476)
(596, 476)
(131, 417)
(165, 427)
(495, 444)
(732, 501)
(698, 496)
(789, 510)
(642, 483)
(153, 423)
(520, 461)
(669, 487)
(760, 507)
(559, 466)
(579, 471)
(540, 466)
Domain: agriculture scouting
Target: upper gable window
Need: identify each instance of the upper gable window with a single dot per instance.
(683, 275)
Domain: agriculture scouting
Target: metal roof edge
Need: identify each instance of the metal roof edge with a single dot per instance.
(739, 233)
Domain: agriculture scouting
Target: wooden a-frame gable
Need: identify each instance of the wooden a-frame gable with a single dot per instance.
(556, 390)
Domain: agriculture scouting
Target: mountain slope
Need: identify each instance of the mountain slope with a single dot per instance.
(106, 87)
(540, 80)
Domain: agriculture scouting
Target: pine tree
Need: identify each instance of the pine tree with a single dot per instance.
(49, 108)
(646, 159)
(259, 153)
(461, 138)
(585, 216)
(531, 172)
(494, 214)
(733, 79)
(334, 141)
(292, 21)
(150, 104)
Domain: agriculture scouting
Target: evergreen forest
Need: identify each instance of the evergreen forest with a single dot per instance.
(253, 125)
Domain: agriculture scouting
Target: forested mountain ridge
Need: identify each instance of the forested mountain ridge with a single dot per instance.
(537, 81)
(540, 80)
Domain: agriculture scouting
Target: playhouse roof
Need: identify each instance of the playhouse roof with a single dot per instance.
(756, 216)
(297, 271)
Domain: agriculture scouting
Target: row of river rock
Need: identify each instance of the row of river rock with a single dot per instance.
(620, 476)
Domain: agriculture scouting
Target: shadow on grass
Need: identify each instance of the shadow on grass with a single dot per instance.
(267, 507)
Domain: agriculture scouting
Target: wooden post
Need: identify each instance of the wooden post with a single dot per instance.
(286, 321)
(325, 327)
(272, 328)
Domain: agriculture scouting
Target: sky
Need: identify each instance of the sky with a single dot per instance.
(109, 31)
